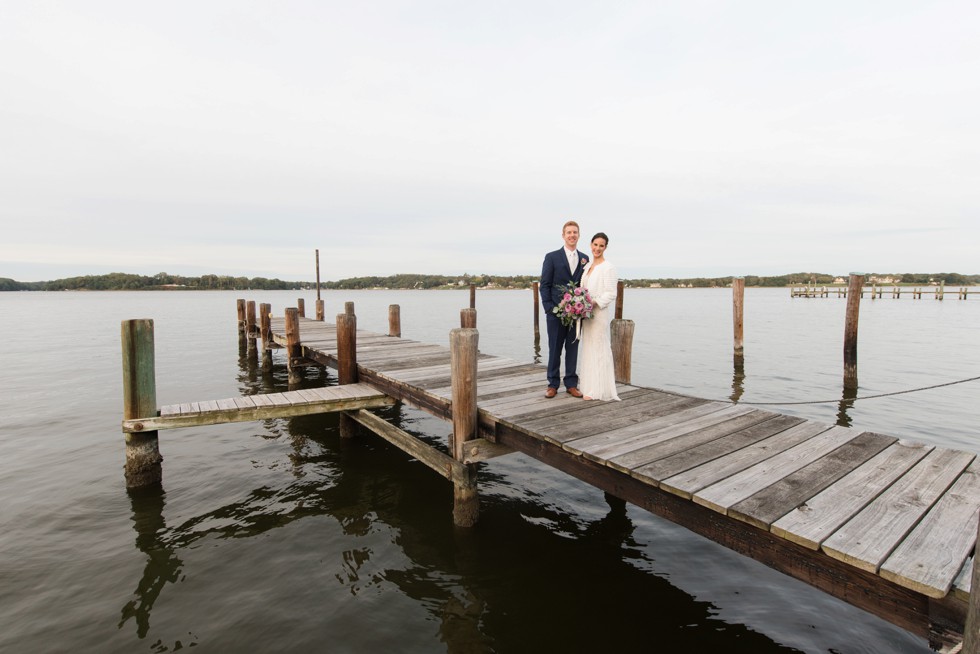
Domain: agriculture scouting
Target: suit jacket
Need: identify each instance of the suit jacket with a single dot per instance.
(555, 276)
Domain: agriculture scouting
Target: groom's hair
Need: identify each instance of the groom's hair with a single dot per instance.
(572, 223)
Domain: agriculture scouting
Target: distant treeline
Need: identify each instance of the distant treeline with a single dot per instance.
(165, 281)
(160, 281)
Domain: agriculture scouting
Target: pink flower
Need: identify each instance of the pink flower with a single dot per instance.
(567, 297)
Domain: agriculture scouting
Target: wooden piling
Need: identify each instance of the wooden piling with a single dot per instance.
(265, 331)
(347, 362)
(971, 632)
(738, 306)
(293, 346)
(143, 460)
(240, 305)
(619, 300)
(537, 326)
(621, 336)
(319, 310)
(251, 331)
(463, 344)
(467, 318)
(301, 307)
(472, 296)
(394, 320)
(349, 308)
(855, 284)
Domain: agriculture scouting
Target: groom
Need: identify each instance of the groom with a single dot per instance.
(561, 267)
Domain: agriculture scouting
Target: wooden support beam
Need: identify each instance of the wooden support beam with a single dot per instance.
(463, 345)
(854, 292)
(480, 449)
(442, 463)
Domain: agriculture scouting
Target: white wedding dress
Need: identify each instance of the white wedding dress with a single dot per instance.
(596, 374)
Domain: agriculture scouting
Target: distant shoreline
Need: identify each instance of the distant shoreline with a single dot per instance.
(167, 282)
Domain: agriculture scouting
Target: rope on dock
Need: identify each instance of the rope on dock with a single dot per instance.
(863, 397)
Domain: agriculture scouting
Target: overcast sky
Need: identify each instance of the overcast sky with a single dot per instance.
(706, 138)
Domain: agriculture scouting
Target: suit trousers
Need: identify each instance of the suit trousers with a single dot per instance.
(561, 337)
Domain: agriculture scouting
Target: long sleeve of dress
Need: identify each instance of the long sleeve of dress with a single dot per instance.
(605, 287)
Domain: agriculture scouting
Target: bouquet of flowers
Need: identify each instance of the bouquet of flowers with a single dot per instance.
(575, 305)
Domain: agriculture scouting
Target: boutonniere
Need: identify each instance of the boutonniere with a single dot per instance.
(583, 261)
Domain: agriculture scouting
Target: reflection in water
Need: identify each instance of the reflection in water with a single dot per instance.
(162, 564)
(846, 403)
(738, 378)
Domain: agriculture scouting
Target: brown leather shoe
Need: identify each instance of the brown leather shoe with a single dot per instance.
(574, 392)
(551, 392)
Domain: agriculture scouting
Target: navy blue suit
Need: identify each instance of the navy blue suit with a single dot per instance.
(555, 276)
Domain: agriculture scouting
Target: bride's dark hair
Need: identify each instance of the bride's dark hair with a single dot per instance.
(601, 235)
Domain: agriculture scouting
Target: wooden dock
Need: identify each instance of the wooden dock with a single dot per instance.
(885, 524)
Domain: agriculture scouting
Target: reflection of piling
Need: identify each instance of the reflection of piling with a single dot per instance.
(394, 320)
(738, 307)
(621, 338)
(140, 401)
(537, 328)
(854, 286)
(347, 361)
(463, 345)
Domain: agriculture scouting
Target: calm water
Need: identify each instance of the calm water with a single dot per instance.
(277, 536)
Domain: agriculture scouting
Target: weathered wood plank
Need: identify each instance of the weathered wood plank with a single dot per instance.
(685, 442)
(727, 492)
(261, 400)
(813, 522)
(792, 490)
(288, 410)
(244, 402)
(687, 483)
(681, 419)
(930, 558)
(867, 539)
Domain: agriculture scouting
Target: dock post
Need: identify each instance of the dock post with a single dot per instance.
(738, 306)
(250, 330)
(621, 335)
(971, 630)
(472, 296)
(463, 343)
(394, 320)
(467, 318)
(349, 308)
(319, 310)
(301, 307)
(347, 362)
(619, 300)
(537, 327)
(265, 331)
(293, 347)
(140, 401)
(240, 305)
(854, 293)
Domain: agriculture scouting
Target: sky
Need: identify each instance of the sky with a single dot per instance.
(706, 138)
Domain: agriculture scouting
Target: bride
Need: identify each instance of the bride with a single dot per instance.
(597, 376)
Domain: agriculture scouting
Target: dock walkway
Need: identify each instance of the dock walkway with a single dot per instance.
(883, 523)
